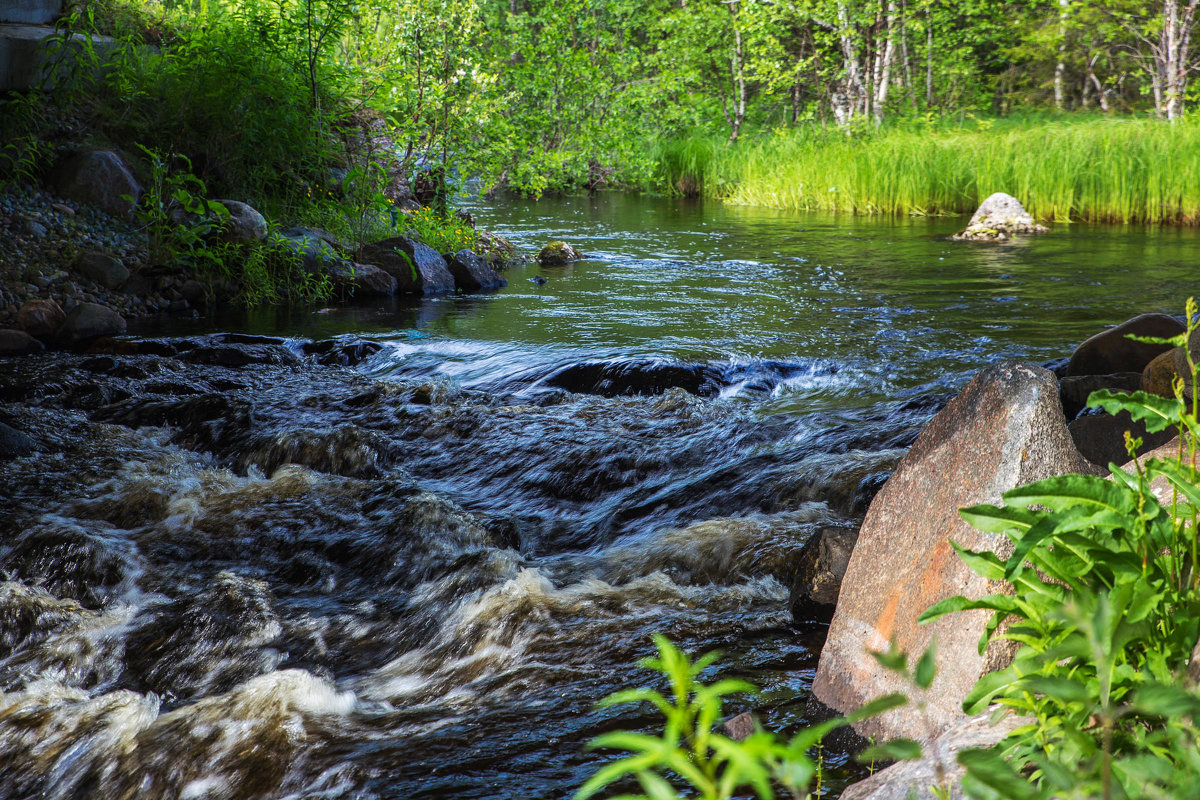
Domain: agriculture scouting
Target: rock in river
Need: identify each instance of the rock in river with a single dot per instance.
(1110, 351)
(1006, 428)
(472, 272)
(90, 321)
(997, 219)
(557, 253)
(41, 318)
(417, 268)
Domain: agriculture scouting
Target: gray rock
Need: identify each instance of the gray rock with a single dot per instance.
(245, 225)
(102, 268)
(37, 12)
(998, 218)
(1109, 351)
(36, 229)
(14, 444)
(1005, 429)
(938, 765)
(18, 343)
(1101, 437)
(1074, 390)
(99, 178)
(368, 280)
(821, 569)
(472, 272)
(558, 253)
(318, 254)
(90, 321)
(417, 268)
(41, 318)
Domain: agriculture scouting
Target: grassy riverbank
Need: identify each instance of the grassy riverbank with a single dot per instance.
(1086, 169)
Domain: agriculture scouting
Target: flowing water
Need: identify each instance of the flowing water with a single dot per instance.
(293, 563)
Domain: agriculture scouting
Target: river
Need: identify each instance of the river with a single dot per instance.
(236, 573)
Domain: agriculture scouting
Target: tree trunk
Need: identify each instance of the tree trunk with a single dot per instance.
(738, 71)
(928, 58)
(1060, 68)
(884, 73)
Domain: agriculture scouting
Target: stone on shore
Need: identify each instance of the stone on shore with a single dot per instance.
(472, 272)
(41, 318)
(318, 255)
(1075, 390)
(245, 225)
(1109, 351)
(1005, 429)
(18, 343)
(417, 268)
(822, 567)
(558, 253)
(104, 269)
(99, 178)
(367, 280)
(997, 219)
(1182, 368)
(1101, 437)
(90, 321)
(1159, 375)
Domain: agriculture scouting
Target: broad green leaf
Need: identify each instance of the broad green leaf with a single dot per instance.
(1065, 491)
(984, 563)
(926, 667)
(1061, 689)
(998, 519)
(992, 602)
(1179, 475)
(1159, 413)
(987, 687)
(1043, 529)
(892, 660)
(990, 769)
(877, 706)
(656, 787)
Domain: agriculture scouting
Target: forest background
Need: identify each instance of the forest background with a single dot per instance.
(1078, 107)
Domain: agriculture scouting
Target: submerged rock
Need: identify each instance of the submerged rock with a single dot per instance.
(1006, 428)
(14, 443)
(558, 253)
(1110, 351)
(637, 377)
(997, 219)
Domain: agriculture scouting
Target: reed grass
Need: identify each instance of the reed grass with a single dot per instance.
(1089, 169)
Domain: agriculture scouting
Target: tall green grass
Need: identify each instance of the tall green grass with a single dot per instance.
(1087, 169)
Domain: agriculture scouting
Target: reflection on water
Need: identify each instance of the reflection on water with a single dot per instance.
(236, 573)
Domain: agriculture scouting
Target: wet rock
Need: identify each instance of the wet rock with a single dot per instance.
(14, 443)
(29, 615)
(997, 219)
(556, 254)
(1101, 437)
(102, 268)
(240, 355)
(1109, 351)
(208, 642)
(90, 321)
(822, 566)
(740, 727)
(417, 268)
(41, 318)
(938, 765)
(99, 178)
(367, 280)
(1182, 368)
(1159, 375)
(1006, 428)
(18, 343)
(472, 272)
(195, 293)
(342, 352)
(207, 421)
(1074, 390)
(423, 539)
(245, 225)
(637, 377)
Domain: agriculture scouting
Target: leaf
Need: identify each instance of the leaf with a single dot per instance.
(989, 768)
(1067, 491)
(1030, 539)
(877, 706)
(998, 519)
(987, 687)
(984, 563)
(1063, 690)
(1171, 341)
(894, 660)
(895, 750)
(992, 602)
(926, 667)
(1159, 413)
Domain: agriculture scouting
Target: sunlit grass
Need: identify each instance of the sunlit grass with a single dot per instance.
(1091, 169)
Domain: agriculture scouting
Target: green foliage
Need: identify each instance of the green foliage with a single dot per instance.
(175, 214)
(713, 766)
(1105, 606)
(445, 232)
(271, 272)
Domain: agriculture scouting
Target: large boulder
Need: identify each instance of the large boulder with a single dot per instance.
(938, 766)
(36, 12)
(99, 178)
(90, 321)
(558, 253)
(1075, 390)
(417, 268)
(1006, 428)
(18, 343)
(1110, 351)
(41, 317)
(318, 254)
(1159, 375)
(472, 272)
(245, 225)
(106, 270)
(997, 219)
(1101, 437)
(366, 280)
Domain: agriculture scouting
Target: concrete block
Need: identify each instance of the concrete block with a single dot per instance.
(35, 12)
(25, 61)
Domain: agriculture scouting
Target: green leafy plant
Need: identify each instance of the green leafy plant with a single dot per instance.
(444, 232)
(713, 766)
(1105, 604)
(175, 214)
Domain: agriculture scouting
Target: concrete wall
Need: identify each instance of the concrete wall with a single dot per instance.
(35, 12)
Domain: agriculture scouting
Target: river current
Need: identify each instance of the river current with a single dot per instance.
(401, 549)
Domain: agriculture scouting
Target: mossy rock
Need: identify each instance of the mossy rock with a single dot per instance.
(558, 253)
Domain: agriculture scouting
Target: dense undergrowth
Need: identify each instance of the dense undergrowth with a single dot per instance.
(1096, 169)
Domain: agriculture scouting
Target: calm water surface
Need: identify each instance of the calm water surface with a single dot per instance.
(416, 578)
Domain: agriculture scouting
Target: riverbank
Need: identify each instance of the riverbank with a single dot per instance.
(1092, 169)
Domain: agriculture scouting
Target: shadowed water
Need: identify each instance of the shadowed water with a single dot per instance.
(246, 567)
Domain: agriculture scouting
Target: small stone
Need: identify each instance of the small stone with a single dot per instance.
(36, 229)
(89, 321)
(558, 253)
(63, 208)
(102, 268)
(1159, 375)
(41, 318)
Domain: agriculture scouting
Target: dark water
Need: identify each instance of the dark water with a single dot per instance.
(264, 577)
